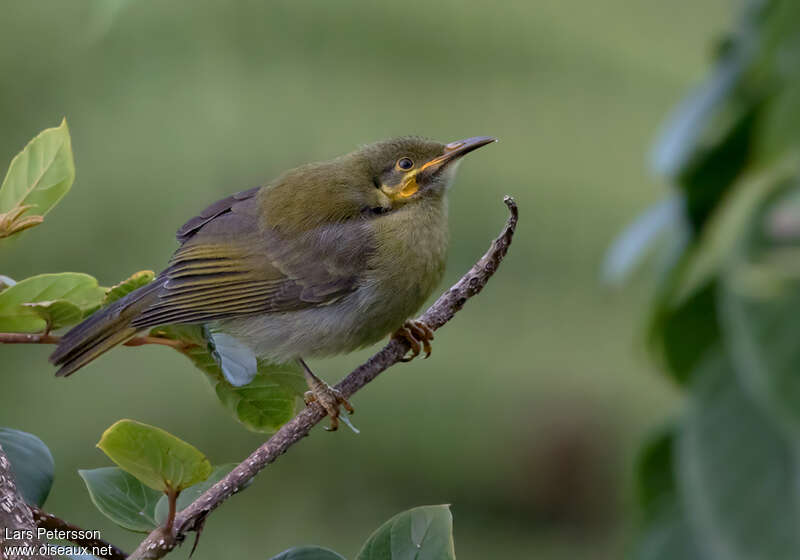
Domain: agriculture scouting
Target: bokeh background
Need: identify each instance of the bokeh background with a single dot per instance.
(528, 415)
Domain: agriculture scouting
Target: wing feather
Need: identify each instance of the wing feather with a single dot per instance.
(220, 207)
(230, 265)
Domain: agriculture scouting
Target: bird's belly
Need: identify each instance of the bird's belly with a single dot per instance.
(358, 320)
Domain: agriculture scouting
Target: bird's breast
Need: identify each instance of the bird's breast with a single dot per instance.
(408, 262)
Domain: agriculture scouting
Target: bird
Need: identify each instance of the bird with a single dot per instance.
(327, 258)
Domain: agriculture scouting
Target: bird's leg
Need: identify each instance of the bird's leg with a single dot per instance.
(329, 398)
(418, 335)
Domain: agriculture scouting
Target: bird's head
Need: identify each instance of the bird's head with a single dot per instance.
(374, 180)
(411, 169)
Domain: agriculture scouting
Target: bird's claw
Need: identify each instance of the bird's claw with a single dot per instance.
(418, 335)
(330, 400)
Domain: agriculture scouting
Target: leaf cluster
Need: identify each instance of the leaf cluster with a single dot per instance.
(158, 473)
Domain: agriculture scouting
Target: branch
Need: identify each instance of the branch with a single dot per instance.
(162, 541)
(98, 547)
(25, 338)
(16, 516)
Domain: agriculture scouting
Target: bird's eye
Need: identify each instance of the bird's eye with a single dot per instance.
(405, 164)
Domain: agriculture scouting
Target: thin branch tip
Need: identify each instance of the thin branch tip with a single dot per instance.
(47, 338)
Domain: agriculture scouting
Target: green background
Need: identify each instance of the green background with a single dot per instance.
(528, 414)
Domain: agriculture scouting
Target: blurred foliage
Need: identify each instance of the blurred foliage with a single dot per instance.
(721, 482)
(535, 394)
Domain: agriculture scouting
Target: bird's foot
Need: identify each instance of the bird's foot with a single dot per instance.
(328, 398)
(418, 335)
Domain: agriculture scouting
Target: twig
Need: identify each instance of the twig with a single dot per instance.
(172, 497)
(24, 338)
(97, 547)
(160, 541)
(16, 516)
(44, 338)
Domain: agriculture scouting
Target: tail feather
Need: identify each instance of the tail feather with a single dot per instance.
(103, 330)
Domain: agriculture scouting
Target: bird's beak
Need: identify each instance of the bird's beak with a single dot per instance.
(454, 151)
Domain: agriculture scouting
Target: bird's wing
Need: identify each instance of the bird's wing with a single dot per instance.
(228, 265)
(219, 208)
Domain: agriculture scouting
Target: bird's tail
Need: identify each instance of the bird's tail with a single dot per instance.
(102, 331)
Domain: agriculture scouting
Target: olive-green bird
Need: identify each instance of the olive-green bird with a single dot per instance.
(328, 258)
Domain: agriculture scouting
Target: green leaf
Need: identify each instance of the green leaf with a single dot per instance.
(36, 180)
(80, 290)
(737, 472)
(264, 404)
(421, 533)
(57, 313)
(122, 498)
(655, 477)
(679, 337)
(134, 282)
(6, 282)
(729, 221)
(308, 553)
(665, 533)
(31, 462)
(761, 308)
(682, 136)
(686, 320)
(781, 123)
(668, 536)
(193, 492)
(630, 246)
(679, 334)
(156, 457)
(714, 171)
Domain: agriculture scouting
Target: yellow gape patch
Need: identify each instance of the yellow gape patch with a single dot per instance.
(410, 187)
